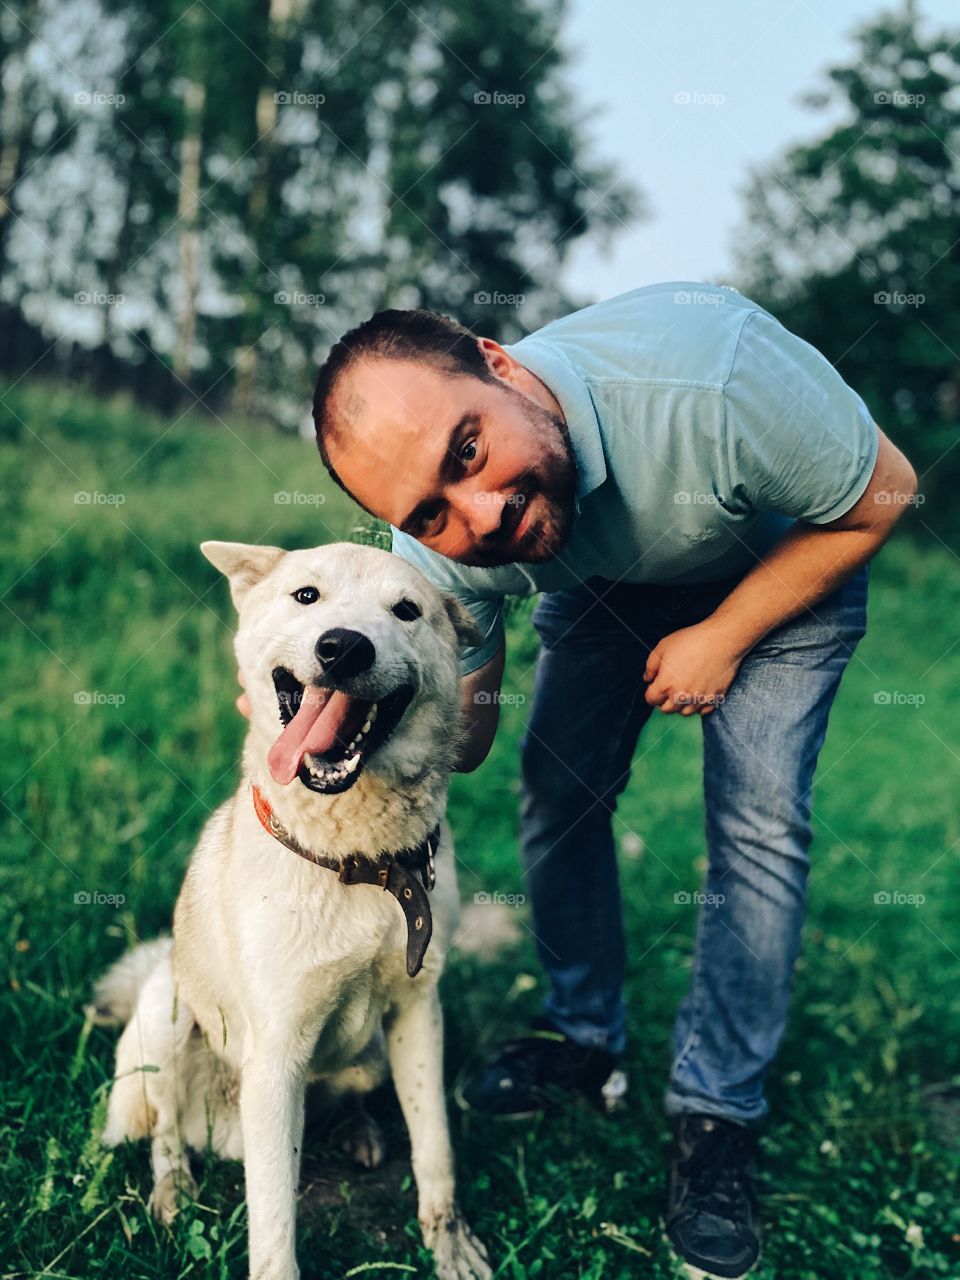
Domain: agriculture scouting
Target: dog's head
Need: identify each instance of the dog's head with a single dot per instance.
(349, 657)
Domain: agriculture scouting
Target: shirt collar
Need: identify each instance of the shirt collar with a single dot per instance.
(552, 368)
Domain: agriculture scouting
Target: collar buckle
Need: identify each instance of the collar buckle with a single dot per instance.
(348, 871)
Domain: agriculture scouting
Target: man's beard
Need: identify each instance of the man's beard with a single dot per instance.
(552, 486)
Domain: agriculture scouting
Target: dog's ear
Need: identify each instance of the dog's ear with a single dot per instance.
(243, 563)
(469, 635)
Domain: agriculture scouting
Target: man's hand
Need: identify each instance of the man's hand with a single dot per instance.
(691, 670)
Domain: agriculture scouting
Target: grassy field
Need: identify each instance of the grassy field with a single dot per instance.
(120, 737)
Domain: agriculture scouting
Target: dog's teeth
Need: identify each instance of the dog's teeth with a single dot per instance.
(366, 728)
(351, 764)
(372, 714)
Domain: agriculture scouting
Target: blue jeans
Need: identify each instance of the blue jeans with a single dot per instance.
(760, 753)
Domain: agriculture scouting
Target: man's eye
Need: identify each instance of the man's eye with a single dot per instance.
(306, 595)
(469, 444)
(426, 520)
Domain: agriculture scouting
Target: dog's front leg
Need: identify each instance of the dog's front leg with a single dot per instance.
(415, 1043)
(271, 1110)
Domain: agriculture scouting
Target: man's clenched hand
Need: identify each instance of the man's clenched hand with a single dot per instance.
(691, 670)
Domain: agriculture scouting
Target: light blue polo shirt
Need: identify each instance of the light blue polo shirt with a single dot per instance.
(701, 429)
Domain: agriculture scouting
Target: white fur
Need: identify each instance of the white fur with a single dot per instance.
(278, 974)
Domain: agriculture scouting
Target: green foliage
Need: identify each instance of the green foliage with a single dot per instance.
(350, 155)
(851, 240)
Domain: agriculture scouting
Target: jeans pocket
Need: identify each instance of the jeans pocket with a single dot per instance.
(562, 616)
(551, 623)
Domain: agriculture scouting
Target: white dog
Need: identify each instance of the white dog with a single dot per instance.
(312, 925)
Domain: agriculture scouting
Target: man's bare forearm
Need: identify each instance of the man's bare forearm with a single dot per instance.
(811, 561)
(804, 567)
(480, 712)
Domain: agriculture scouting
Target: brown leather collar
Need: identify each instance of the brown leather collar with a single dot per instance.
(407, 873)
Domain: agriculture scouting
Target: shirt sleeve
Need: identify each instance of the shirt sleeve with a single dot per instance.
(799, 440)
(487, 609)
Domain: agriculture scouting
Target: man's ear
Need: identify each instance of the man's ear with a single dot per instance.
(469, 635)
(243, 563)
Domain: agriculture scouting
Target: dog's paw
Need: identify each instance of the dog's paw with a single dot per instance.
(362, 1139)
(457, 1253)
(167, 1196)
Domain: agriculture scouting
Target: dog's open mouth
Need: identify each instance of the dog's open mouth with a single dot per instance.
(328, 736)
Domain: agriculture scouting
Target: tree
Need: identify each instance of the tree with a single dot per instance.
(35, 128)
(853, 239)
(266, 174)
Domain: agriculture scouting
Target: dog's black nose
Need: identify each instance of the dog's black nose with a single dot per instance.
(345, 653)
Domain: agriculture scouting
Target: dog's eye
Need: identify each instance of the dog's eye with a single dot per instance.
(306, 595)
(406, 610)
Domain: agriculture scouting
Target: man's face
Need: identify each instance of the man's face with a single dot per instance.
(479, 472)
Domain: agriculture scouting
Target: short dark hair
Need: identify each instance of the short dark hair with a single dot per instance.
(420, 335)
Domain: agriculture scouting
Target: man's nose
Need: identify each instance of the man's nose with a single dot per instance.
(481, 513)
(344, 653)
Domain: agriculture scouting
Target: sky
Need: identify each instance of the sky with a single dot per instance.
(743, 64)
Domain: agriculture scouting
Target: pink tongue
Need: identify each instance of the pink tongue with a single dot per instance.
(313, 729)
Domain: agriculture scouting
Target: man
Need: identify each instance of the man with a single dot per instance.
(696, 492)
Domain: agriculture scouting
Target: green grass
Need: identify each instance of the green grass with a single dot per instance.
(109, 796)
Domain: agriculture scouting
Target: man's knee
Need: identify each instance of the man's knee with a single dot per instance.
(765, 836)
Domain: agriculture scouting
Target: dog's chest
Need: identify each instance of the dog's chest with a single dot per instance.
(337, 1033)
(334, 954)
(315, 934)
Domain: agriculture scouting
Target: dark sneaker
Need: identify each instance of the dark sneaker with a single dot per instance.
(712, 1217)
(524, 1076)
